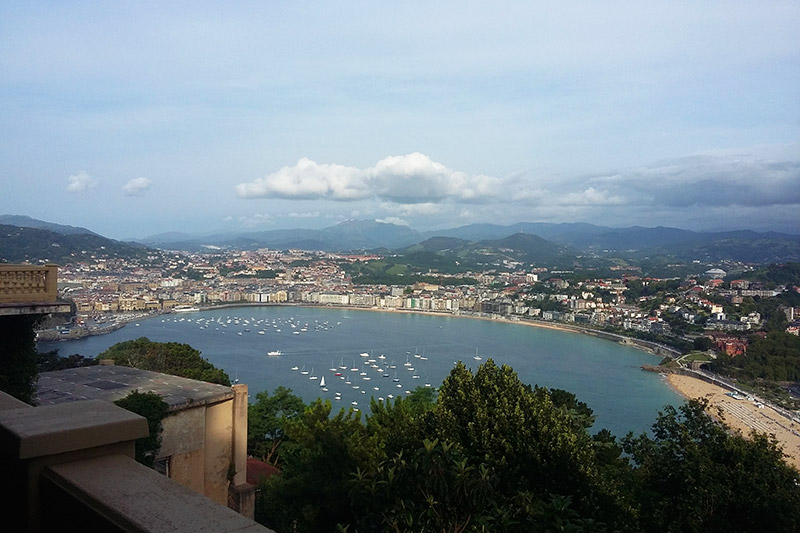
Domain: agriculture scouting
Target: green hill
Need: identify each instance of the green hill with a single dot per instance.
(33, 245)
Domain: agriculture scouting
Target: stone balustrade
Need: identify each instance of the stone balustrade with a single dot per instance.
(72, 463)
(28, 283)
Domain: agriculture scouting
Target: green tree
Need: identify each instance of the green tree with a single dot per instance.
(702, 343)
(154, 409)
(432, 488)
(533, 446)
(18, 373)
(775, 358)
(49, 361)
(167, 357)
(319, 453)
(693, 474)
(266, 420)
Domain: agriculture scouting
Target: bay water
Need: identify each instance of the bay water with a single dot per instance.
(361, 354)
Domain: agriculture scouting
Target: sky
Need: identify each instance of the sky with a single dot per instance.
(137, 118)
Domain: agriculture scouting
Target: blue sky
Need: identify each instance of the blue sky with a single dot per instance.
(134, 118)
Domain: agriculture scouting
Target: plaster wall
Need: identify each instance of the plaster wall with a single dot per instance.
(188, 469)
(183, 432)
(218, 450)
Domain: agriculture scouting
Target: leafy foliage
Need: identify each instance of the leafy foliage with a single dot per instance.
(168, 357)
(154, 409)
(694, 475)
(49, 361)
(317, 458)
(490, 453)
(788, 273)
(18, 372)
(266, 421)
(774, 358)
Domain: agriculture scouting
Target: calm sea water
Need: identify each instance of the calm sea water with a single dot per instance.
(320, 341)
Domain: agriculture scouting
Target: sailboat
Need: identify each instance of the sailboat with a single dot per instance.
(477, 357)
(322, 384)
(304, 371)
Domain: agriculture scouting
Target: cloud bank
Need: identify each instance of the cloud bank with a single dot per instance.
(414, 189)
(406, 179)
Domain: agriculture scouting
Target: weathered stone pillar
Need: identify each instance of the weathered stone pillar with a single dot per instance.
(241, 495)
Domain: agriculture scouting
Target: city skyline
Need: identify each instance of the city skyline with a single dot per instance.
(138, 119)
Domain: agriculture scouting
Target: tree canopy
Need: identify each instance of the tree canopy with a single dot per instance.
(695, 475)
(168, 357)
(18, 356)
(490, 453)
(266, 421)
(775, 357)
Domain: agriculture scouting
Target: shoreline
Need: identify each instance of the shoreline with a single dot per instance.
(632, 342)
(741, 416)
(640, 344)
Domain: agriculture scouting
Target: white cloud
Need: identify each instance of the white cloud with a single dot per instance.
(406, 179)
(308, 180)
(80, 182)
(309, 214)
(592, 196)
(393, 220)
(415, 178)
(423, 209)
(136, 186)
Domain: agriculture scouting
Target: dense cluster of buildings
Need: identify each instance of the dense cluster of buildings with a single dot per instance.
(180, 281)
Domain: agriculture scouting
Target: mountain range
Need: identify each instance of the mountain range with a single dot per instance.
(545, 241)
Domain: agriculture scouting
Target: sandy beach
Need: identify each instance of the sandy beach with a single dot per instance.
(742, 415)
